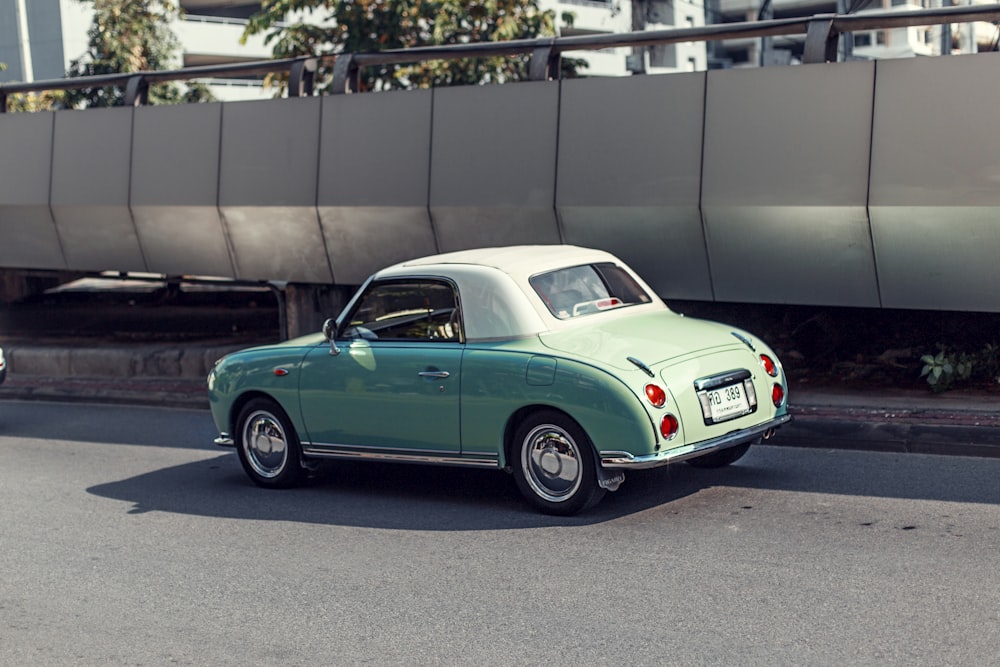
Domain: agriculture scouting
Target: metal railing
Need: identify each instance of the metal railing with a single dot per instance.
(821, 34)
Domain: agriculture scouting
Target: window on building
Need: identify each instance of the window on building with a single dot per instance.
(862, 39)
(663, 55)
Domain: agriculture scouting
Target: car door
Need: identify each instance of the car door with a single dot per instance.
(393, 381)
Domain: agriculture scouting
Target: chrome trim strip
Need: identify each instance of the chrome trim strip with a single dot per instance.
(722, 379)
(746, 341)
(613, 459)
(470, 459)
(641, 366)
(441, 375)
(225, 440)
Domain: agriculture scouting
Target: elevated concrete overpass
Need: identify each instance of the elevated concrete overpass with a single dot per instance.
(872, 184)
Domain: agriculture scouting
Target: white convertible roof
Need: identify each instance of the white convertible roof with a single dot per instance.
(498, 301)
(519, 262)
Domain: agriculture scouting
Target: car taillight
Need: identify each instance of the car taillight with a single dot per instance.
(656, 396)
(669, 426)
(770, 367)
(777, 395)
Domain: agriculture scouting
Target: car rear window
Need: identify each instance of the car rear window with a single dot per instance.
(591, 288)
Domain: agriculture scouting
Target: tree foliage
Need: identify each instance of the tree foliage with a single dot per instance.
(366, 26)
(130, 36)
(43, 101)
(32, 101)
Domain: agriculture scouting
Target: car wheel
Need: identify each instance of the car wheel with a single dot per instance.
(554, 464)
(267, 445)
(721, 458)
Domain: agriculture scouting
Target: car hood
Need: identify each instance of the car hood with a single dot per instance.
(653, 338)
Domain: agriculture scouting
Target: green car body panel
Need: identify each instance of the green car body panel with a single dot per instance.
(241, 375)
(500, 381)
(496, 381)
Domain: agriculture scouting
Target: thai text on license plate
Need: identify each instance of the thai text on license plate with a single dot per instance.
(727, 402)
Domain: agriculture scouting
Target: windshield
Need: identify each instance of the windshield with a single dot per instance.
(590, 288)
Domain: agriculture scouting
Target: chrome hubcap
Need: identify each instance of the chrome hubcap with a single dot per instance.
(264, 444)
(550, 459)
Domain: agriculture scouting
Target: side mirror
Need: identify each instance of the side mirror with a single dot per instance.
(329, 332)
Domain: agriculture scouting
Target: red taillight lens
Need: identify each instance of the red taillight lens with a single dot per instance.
(669, 426)
(657, 397)
(770, 367)
(777, 395)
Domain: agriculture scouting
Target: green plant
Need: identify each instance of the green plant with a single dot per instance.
(942, 369)
(947, 368)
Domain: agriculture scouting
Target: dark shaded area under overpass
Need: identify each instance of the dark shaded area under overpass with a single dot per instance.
(867, 350)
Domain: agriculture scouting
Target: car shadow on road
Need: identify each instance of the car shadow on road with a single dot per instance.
(426, 498)
(374, 495)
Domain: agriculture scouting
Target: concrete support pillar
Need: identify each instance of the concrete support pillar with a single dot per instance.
(307, 306)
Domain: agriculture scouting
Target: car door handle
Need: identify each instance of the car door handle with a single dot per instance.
(434, 374)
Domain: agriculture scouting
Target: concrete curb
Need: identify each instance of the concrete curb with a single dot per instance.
(115, 361)
(163, 392)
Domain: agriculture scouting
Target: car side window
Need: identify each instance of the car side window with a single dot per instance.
(410, 310)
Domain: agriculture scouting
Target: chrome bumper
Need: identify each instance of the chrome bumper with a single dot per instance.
(626, 460)
(225, 440)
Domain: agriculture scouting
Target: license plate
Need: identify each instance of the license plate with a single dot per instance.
(727, 402)
(726, 396)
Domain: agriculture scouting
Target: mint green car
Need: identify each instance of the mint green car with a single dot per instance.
(557, 364)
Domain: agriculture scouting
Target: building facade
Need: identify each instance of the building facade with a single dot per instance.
(868, 45)
(39, 38)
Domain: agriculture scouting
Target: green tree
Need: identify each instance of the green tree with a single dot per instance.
(32, 101)
(366, 26)
(130, 36)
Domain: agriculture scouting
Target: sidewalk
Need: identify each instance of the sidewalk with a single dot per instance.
(953, 423)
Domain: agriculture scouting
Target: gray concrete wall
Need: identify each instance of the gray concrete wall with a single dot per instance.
(28, 235)
(374, 174)
(840, 184)
(785, 184)
(935, 184)
(629, 176)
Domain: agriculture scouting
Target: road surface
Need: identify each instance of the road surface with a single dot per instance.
(128, 538)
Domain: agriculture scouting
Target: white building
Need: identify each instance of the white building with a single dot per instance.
(868, 45)
(39, 38)
(594, 17)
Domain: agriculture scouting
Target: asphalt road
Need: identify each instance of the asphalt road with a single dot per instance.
(127, 538)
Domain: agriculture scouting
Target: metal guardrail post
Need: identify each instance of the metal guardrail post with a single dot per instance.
(544, 64)
(302, 77)
(821, 40)
(137, 91)
(346, 76)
